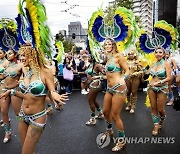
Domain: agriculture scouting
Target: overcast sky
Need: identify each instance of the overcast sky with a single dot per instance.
(60, 12)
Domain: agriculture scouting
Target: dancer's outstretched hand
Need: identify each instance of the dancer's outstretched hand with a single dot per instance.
(59, 98)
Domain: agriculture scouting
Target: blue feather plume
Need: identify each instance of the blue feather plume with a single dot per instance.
(143, 38)
(124, 29)
(95, 29)
(166, 34)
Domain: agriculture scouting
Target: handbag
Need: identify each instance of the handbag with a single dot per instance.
(68, 74)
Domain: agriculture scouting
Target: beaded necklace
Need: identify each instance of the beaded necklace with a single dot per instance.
(30, 73)
(11, 64)
(159, 62)
(109, 56)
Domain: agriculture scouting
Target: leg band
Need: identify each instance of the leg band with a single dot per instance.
(121, 133)
(155, 119)
(99, 109)
(7, 128)
(92, 114)
(108, 125)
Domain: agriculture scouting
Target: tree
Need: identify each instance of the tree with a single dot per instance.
(68, 46)
(125, 3)
(66, 43)
(112, 7)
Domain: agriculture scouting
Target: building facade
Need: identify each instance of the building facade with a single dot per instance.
(63, 32)
(77, 29)
(144, 10)
(178, 10)
(168, 10)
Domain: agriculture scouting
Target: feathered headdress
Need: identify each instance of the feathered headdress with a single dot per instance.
(164, 35)
(8, 35)
(32, 25)
(122, 30)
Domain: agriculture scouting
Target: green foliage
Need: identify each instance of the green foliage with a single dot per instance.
(66, 43)
(138, 21)
(109, 13)
(68, 46)
(124, 3)
(113, 6)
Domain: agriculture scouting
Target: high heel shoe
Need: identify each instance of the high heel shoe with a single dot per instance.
(2, 124)
(100, 116)
(155, 130)
(132, 111)
(170, 103)
(119, 145)
(161, 121)
(128, 108)
(108, 133)
(7, 138)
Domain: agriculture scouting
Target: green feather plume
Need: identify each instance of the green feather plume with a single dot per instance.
(60, 49)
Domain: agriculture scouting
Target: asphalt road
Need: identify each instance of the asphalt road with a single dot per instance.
(66, 132)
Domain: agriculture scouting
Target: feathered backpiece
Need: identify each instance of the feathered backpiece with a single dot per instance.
(94, 42)
(126, 21)
(32, 26)
(8, 35)
(60, 51)
(122, 30)
(164, 35)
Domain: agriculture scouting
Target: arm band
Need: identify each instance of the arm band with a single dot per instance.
(53, 91)
(126, 76)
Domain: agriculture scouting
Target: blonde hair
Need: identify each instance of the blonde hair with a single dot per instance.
(113, 43)
(133, 51)
(36, 57)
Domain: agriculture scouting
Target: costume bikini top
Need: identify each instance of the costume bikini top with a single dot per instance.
(90, 71)
(111, 67)
(11, 74)
(36, 88)
(161, 73)
(2, 69)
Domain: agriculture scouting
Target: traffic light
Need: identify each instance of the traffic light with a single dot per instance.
(57, 37)
(73, 35)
